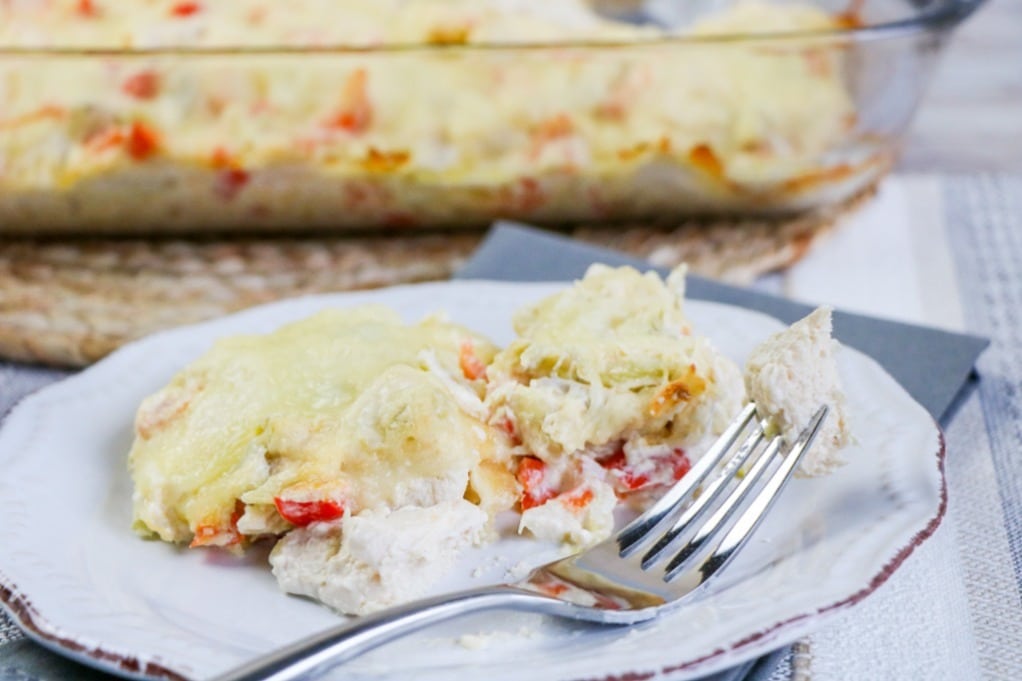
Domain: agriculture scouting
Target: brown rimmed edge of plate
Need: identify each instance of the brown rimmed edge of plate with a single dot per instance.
(35, 626)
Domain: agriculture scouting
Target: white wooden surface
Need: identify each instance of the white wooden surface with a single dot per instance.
(971, 119)
(906, 280)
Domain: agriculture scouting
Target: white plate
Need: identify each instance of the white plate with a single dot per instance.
(81, 583)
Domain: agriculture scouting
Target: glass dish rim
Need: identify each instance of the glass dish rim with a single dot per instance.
(942, 18)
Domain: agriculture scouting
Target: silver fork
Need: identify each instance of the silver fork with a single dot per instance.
(633, 576)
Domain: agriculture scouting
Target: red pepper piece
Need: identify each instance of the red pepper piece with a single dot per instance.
(624, 476)
(142, 85)
(356, 113)
(302, 513)
(142, 141)
(230, 182)
(680, 464)
(531, 474)
(578, 499)
(184, 9)
(628, 480)
(471, 366)
(87, 8)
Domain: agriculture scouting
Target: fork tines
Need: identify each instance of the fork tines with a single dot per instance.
(723, 482)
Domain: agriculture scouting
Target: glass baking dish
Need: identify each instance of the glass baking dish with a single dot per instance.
(168, 122)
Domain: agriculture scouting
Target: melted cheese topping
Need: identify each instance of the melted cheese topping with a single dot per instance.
(248, 23)
(556, 132)
(336, 409)
(613, 358)
(142, 24)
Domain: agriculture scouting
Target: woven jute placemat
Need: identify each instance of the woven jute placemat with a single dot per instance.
(70, 302)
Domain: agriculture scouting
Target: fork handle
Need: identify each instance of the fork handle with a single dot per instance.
(315, 655)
